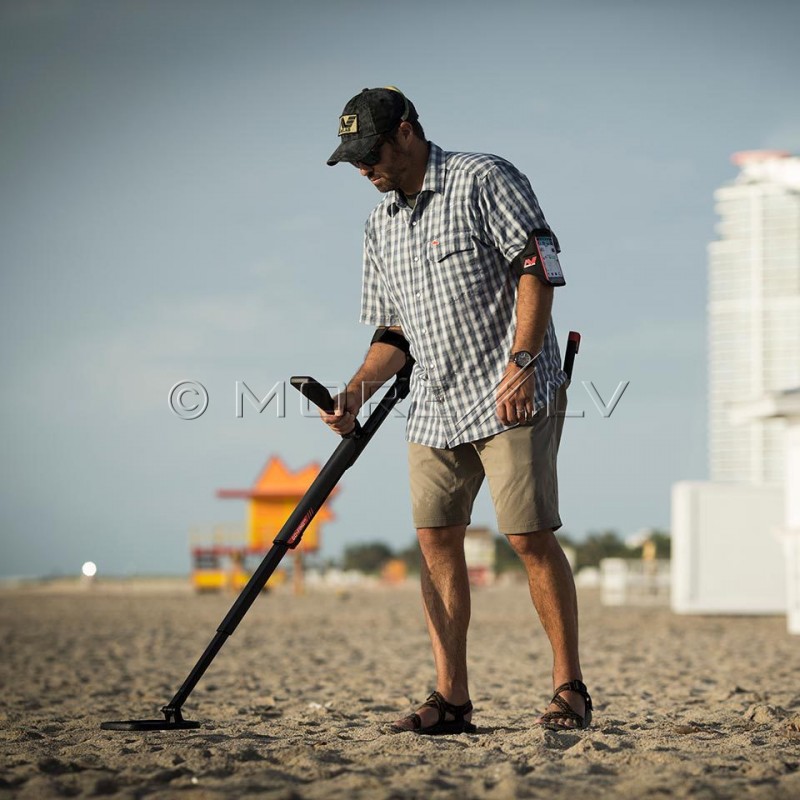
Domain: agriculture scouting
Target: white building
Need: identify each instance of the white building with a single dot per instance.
(754, 312)
(729, 539)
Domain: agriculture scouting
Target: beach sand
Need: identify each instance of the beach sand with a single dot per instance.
(294, 704)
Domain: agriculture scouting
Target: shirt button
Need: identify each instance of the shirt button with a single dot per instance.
(417, 258)
(413, 224)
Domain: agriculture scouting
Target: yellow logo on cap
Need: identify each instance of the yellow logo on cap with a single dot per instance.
(348, 124)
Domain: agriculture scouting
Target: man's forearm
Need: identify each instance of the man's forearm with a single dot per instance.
(381, 363)
(534, 306)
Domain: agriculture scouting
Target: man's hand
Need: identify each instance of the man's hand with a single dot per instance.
(343, 419)
(515, 395)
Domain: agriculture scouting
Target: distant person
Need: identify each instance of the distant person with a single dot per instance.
(454, 279)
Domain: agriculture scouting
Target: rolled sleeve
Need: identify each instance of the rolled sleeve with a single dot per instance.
(509, 208)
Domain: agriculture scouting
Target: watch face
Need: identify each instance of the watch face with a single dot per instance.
(523, 358)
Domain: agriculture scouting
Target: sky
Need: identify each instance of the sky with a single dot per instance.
(166, 214)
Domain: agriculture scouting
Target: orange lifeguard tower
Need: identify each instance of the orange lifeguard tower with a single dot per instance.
(272, 498)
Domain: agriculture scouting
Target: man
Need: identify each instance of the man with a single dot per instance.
(459, 270)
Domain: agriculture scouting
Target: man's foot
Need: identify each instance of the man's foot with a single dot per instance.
(570, 708)
(437, 717)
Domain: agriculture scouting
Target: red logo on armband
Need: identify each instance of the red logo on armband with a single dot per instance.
(529, 262)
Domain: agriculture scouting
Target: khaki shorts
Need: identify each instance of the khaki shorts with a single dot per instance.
(520, 465)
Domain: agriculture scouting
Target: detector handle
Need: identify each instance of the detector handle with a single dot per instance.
(319, 395)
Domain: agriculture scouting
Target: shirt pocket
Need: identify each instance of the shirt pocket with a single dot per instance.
(456, 264)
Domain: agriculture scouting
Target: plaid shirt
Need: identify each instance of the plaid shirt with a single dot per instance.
(441, 272)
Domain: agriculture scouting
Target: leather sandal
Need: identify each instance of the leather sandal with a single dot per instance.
(550, 719)
(442, 727)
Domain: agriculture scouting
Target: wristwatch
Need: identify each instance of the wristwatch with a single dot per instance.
(523, 358)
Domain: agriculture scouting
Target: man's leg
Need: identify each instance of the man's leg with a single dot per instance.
(552, 590)
(446, 600)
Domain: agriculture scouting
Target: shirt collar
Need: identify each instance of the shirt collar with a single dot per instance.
(432, 182)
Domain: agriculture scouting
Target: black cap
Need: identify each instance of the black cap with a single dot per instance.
(365, 117)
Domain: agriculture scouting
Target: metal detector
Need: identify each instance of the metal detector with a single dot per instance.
(288, 538)
(290, 534)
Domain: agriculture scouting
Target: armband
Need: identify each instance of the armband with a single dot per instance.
(539, 258)
(395, 339)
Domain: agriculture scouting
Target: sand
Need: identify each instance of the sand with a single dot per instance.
(294, 705)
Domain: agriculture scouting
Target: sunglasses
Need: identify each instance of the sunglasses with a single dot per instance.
(374, 155)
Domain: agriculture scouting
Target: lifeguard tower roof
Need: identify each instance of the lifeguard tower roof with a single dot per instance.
(277, 480)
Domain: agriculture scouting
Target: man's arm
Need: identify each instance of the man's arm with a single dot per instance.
(516, 390)
(381, 363)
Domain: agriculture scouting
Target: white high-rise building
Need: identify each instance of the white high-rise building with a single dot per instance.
(753, 311)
